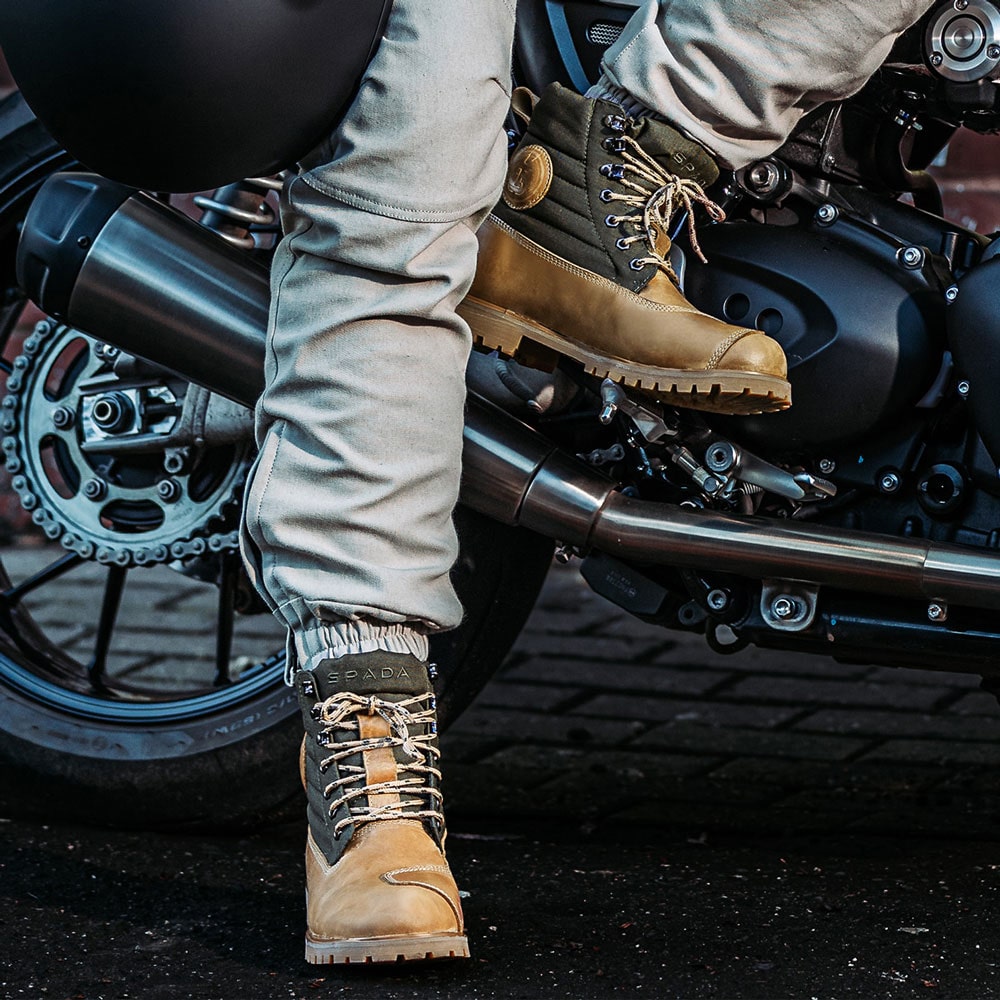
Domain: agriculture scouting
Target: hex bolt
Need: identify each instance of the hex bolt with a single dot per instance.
(911, 257)
(826, 215)
(963, 388)
(95, 489)
(764, 177)
(936, 58)
(62, 417)
(826, 466)
(717, 599)
(168, 490)
(937, 612)
(961, 4)
(784, 607)
(951, 293)
(993, 51)
(889, 482)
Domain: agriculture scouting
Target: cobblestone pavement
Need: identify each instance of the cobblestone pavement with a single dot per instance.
(600, 720)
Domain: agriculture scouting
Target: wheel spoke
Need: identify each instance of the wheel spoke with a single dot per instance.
(109, 613)
(227, 614)
(56, 569)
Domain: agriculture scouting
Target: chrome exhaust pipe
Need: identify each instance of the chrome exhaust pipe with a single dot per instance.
(516, 476)
(154, 283)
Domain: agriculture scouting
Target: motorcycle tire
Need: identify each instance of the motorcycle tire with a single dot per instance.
(219, 759)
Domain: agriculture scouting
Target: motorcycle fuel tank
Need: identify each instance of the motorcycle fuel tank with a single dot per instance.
(862, 331)
(185, 95)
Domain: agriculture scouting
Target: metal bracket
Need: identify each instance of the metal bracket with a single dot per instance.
(788, 605)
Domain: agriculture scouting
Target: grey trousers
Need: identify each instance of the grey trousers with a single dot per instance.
(347, 518)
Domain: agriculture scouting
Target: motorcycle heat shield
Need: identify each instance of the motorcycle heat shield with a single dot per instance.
(183, 95)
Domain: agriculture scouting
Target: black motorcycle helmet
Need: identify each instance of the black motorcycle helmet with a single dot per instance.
(183, 95)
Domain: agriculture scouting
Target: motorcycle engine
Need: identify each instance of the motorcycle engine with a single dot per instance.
(859, 315)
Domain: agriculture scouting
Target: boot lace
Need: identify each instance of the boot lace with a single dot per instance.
(655, 195)
(418, 797)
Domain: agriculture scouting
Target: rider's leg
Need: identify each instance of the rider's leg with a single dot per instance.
(348, 527)
(738, 75)
(576, 256)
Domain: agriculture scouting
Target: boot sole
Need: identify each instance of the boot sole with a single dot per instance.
(732, 392)
(369, 951)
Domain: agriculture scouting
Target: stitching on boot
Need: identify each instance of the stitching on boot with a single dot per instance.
(390, 879)
(719, 353)
(606, 283)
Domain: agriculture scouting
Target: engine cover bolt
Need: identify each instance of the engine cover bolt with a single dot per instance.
(95, 489)
(764, 177)
(951, 293)
(717, 599)
(827, 214)
(889, 483)
(961, 4)
(784, 607)
(937, 612)
(169, 490)
(963, 388)
(936, 58)
(62, 417)
(993, 51)
(911, 257)
(826, 466)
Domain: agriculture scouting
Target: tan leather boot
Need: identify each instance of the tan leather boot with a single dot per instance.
(575, 259)
(378, 886)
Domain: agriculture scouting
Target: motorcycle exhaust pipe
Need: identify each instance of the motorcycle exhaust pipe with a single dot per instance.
(145, 278)
(140, 275)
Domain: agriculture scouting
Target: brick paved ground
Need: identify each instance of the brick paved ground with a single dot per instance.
(600, 719)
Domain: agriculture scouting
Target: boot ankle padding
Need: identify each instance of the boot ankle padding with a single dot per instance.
(568, 220)
(389, 675)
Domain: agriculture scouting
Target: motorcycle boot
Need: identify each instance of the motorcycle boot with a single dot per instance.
(575, 258)
(378, 886)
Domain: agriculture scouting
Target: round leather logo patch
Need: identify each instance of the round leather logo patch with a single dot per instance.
(528, 177)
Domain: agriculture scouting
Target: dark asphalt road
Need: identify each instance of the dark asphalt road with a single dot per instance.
(92, 914)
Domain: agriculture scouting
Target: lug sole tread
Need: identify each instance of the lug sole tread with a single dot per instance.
(373, 951)
(731, 392)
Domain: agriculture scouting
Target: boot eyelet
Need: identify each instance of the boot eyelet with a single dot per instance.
(617, 123)
(614, 145)
(316, 712)
(606, 195)
(323, 739)
(308, 688)
(611, 221)
(637, 264)
(622, 243)
(613, 170)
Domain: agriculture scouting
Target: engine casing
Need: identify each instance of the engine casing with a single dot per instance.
(863, 333)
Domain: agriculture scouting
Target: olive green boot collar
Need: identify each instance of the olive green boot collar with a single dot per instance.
(573, 168)
(371, 749)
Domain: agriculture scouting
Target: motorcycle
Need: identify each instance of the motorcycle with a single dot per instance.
(863, 523)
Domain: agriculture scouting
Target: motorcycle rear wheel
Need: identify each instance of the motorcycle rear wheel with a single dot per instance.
(194, 754)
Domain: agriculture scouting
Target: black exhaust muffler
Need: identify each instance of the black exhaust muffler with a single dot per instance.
(123, 267)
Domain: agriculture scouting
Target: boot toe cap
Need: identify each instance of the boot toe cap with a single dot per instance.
(755, 352)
